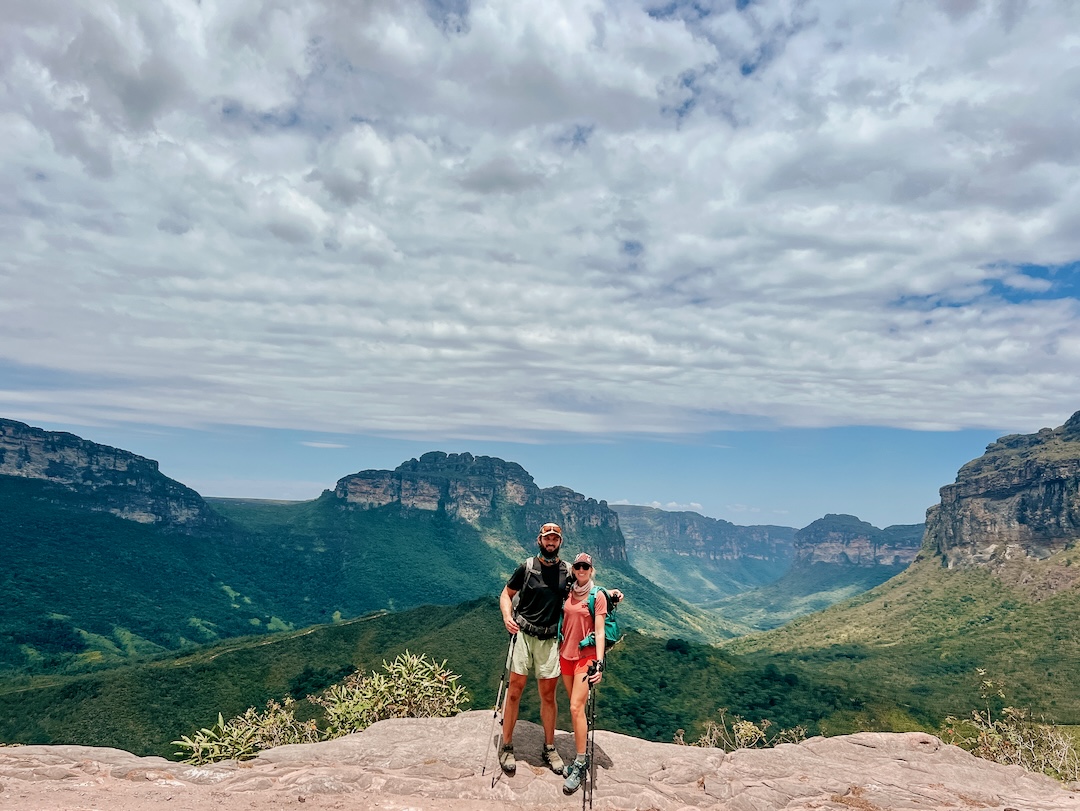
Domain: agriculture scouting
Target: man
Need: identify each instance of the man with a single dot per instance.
(540, 585)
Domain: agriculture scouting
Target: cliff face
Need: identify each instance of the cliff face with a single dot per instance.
(114, 480)
(483, 491)
(650, 530)
(844, 539)
(1020, 499)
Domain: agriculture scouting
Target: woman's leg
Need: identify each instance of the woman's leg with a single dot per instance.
(579, 696)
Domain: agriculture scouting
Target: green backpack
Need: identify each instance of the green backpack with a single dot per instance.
(611, 622)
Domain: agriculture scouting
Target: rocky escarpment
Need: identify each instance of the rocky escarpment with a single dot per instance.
(485, 491)
(844, 539)
(112, 480)
(1019, 500)
(652, 530)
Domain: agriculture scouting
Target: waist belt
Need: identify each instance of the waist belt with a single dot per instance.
(539, 631)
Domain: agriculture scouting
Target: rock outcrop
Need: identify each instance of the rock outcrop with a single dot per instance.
(845, 540)
(111, 479)
(1019, 500)
(446, 764)
(484, 491)
(651, 530)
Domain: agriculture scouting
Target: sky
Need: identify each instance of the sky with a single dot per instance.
(760, 259)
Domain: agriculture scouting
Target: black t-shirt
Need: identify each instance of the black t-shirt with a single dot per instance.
(540, 595)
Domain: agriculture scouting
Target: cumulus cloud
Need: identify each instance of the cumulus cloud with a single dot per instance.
(504, 218)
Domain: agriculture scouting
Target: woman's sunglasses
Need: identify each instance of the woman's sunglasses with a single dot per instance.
(582, 566)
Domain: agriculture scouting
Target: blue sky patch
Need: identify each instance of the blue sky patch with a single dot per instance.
(1020, 283)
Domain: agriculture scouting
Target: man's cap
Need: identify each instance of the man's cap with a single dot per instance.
(550, 529)
(583, 557)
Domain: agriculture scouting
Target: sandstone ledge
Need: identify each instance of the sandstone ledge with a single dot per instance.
(437, 764)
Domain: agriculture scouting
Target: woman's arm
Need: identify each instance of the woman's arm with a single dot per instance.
(601, 640)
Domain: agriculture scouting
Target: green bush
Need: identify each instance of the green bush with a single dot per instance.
(246, 735)
(412, 687)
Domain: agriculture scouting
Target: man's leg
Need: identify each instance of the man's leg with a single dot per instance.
(511, 705)
(549, 709)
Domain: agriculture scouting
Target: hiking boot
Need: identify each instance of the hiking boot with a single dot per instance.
(506, 758)
(552, 759)
(575, 774)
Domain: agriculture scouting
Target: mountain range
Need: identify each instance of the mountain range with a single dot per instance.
(109, 558)
(993, 584)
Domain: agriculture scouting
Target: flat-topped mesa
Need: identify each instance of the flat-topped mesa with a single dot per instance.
(653, 530)
(844, 539)
(482, 489)
(113, 480)
(1020, 499)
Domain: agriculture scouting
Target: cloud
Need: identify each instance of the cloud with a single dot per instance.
(334, 445)
(674, 506)
(506, 219)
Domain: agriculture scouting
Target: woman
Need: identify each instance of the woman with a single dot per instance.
(574, 661)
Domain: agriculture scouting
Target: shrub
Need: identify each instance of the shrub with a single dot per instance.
(412, 687)
(246, 735)
(1013, 737)
(738, 733)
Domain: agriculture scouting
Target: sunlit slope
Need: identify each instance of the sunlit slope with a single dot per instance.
(917, 639)
(802, 590)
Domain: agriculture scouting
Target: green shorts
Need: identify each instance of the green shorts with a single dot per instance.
(536, 656)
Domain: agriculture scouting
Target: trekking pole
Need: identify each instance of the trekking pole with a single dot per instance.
(590, 746)
(498, 705)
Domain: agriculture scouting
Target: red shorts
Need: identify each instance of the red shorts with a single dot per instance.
(571, 667)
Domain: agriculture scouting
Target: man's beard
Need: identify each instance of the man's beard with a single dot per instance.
(550, 557)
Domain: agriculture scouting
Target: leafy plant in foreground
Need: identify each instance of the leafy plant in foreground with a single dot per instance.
(246, 735)
(1013, 737)
(412, 687)
(738, 733)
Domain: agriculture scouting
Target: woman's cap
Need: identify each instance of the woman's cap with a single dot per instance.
(583, 557)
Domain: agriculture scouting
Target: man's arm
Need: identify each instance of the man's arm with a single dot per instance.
(506, 605)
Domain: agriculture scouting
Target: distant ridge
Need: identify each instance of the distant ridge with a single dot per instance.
(116, 481)
(845, 539)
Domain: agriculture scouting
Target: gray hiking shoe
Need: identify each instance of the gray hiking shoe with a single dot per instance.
(575, 775)
(552, 759)
(506, 758)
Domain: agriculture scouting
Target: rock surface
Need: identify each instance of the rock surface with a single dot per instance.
(440, 764)
(1020, 499)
